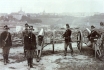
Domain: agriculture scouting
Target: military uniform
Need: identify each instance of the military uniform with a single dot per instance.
(30, 46)
(93, 35)
(67, 36)
(25, 33)
(5, 43)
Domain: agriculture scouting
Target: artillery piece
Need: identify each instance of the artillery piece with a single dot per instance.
(98, 44)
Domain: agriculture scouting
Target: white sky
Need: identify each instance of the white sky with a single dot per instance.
(51, 6)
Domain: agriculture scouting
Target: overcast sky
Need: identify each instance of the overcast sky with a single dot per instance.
(51, 6)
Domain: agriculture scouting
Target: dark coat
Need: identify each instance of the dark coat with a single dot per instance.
(67, 35)
(30, 42)
(3, 37)
(94, 34)
(25, 33)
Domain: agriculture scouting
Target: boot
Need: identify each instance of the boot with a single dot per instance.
(28, 61)
(31, 63)
(4, 56)
(31, 66)
(65, 52)
(71, 52)
(7, 61)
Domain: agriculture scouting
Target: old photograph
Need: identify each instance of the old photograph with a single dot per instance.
(51, 34)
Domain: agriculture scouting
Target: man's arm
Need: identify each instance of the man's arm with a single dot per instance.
(63, 35)
(70, 33)
(89, 36)
(97, 34)
(34, 41)
(10, 39)
(0, 40)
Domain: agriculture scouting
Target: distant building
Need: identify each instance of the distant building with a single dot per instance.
(18, 15)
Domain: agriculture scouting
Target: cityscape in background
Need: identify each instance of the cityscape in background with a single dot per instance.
(20, 13)
(50, 21)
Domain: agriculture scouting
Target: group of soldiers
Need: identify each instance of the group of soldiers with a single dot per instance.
(30, 42)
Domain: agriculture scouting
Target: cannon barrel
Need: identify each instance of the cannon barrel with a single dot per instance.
(41, 33)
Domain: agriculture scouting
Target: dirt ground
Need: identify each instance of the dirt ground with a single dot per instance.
(84, 60)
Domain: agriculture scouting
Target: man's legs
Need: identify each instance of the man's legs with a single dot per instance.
(31, 62)
(28, 57)
(65, 48)
(70, 46)
(28, 61)
(4, 55)
(7, 54)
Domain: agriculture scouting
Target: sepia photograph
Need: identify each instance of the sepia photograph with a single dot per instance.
(51, 34)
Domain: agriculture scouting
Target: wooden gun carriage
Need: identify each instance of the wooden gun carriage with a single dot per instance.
(98, 44)
(79, 36)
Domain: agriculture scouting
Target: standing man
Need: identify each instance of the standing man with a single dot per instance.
(94, 34)
(25, 33)
(6, 43)
(30, 46)
(67, 36)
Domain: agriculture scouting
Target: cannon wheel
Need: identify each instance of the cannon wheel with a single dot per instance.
(99, 51)
(79, 41)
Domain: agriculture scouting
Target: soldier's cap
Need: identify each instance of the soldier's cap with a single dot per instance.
(92, 26)
(67, 25)
(6, 27)
(26, 25)
(31, 28)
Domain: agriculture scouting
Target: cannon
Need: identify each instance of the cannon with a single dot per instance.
(48, 37)
(40, 44)
(79, 36)
(98, 44)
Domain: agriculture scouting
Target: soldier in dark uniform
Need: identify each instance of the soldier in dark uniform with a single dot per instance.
(30, 46)
(6, 43)
(25, 33)
(93, 35)
(67, 36)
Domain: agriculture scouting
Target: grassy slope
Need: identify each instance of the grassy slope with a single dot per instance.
(74, 21)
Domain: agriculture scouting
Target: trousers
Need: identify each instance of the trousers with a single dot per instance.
(66, 44)
(6, 50)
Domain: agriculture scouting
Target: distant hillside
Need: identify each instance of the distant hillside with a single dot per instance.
(60, 21)
(74, 21)
(10, 18)
(94, 20)
(29, 20)
(85, 21)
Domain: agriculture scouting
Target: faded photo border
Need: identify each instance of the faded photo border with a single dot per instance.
(48, 20)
